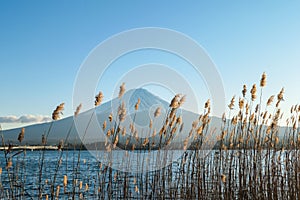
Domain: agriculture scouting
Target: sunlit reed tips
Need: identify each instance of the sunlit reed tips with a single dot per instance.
(77, 110)
(58, 111)
(122, 90)
(98, 99)
(263, 80)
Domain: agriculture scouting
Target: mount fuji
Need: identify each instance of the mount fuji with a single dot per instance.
(89, 123)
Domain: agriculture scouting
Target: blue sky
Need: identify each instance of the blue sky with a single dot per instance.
(43, 43)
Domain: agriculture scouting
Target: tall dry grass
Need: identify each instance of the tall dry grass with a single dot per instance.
(250, 160)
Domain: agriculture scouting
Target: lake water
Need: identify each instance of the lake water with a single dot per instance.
(92, 171)
(25, 168)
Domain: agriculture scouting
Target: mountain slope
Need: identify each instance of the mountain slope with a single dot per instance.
(89, 126)
(60, 128)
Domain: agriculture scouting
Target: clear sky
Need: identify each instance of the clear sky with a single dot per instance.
(43, 43)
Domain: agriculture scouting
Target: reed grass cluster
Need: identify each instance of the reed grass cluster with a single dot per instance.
(251, 159)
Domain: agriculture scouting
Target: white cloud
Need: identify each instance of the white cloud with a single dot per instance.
(25, 119)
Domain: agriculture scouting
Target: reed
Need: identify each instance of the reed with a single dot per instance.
(251, 159)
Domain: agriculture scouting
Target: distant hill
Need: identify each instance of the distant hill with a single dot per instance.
(148, 105)
(94, 133)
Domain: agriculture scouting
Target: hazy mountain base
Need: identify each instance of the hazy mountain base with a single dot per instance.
(93, 131)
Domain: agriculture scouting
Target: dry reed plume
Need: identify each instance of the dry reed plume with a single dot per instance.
(254, 158)
(98, 99)
(21, 135)
(58, 111)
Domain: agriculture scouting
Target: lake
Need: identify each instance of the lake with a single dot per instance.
(191, 175)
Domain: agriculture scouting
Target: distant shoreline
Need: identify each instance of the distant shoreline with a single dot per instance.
(30, 148)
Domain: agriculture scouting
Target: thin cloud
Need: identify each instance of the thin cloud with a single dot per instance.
(25, 119)
(9, 119)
